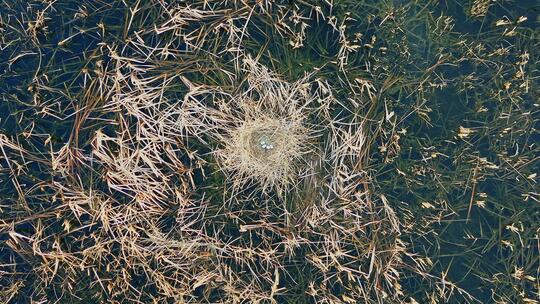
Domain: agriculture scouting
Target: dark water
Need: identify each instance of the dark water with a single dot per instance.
(471, 253)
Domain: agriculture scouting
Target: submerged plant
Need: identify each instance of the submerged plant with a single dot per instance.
(267, 152)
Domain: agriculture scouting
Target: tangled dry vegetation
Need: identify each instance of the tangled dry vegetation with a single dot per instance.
(189, 154)
(263, 131)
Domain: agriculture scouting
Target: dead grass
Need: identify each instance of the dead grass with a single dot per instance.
(195, 170)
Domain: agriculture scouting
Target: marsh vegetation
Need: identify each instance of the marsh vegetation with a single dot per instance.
(269, 151)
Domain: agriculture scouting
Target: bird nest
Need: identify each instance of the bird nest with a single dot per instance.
(265, 149)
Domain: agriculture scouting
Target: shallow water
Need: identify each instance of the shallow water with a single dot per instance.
(448, 102)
